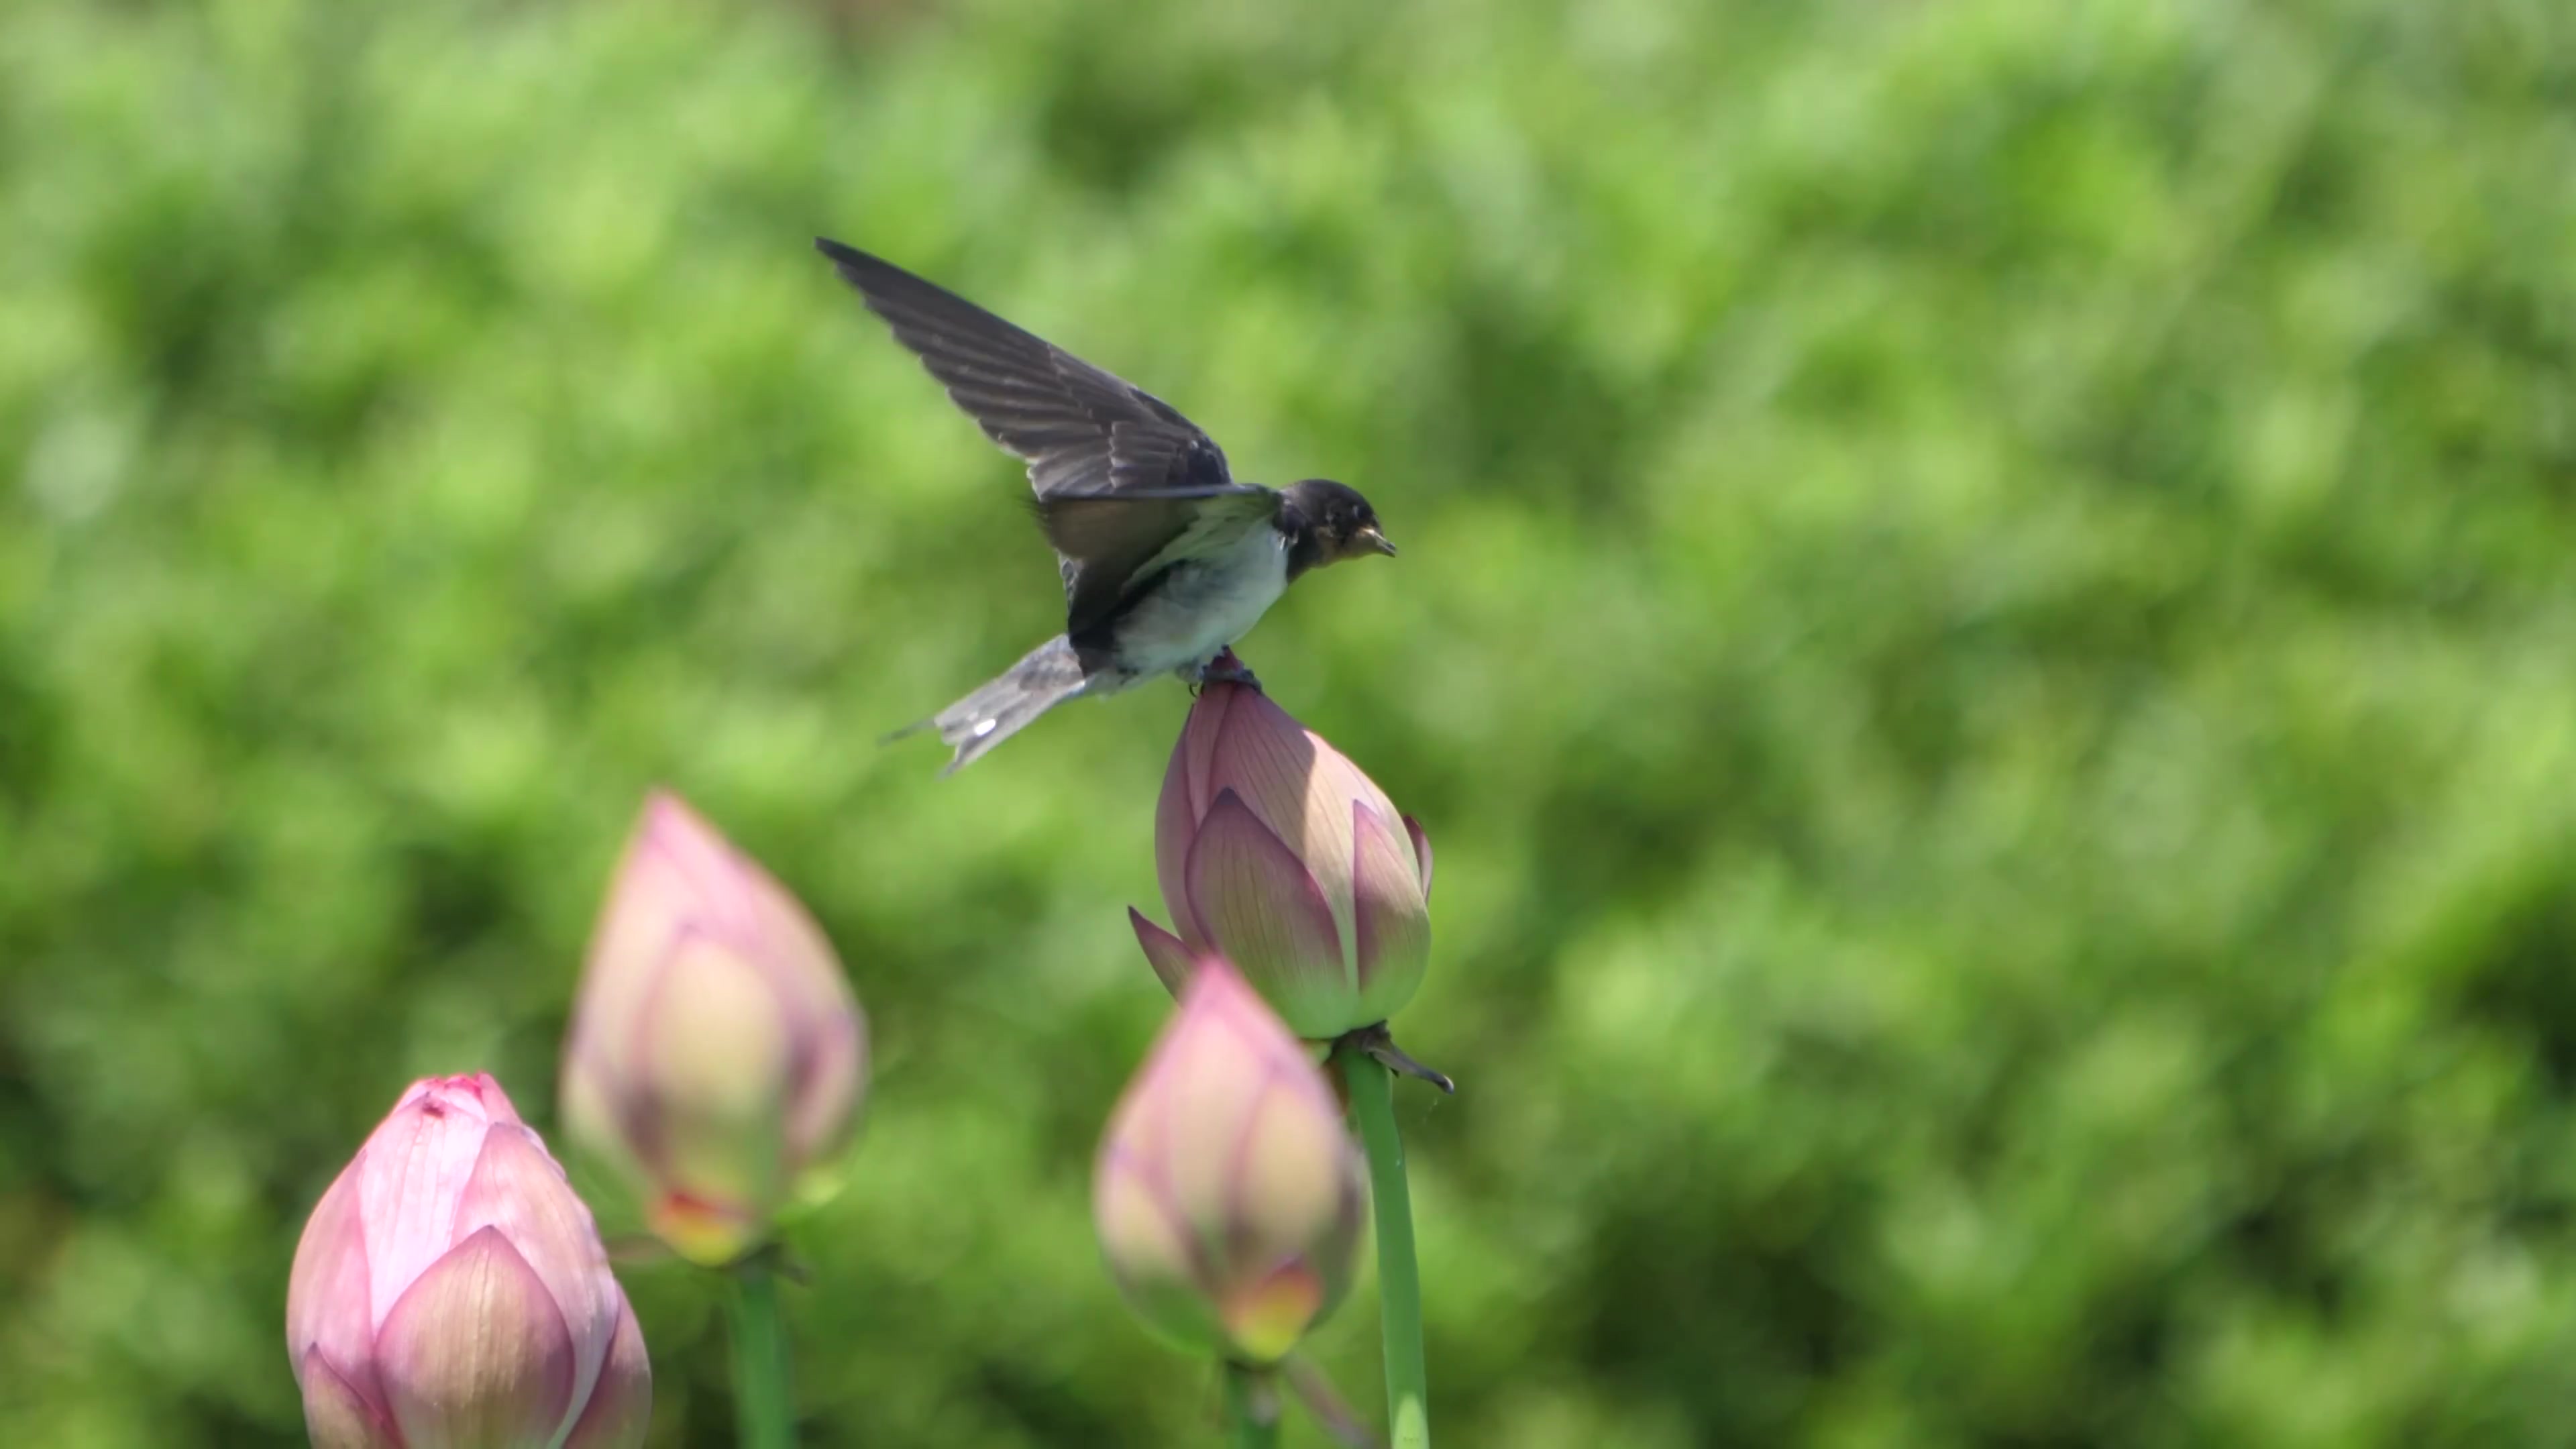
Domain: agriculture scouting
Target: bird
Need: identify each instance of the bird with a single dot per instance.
(1166, 558)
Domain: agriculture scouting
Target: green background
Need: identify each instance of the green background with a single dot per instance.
(1986, 635)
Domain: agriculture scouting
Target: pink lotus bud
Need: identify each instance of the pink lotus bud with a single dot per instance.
(716, 1053)
(450, 1290)
(1278, 854)
(1227, 1194)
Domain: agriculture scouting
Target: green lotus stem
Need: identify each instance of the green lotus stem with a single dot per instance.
(1399, 1279)
(764, 1411)
(1251, 1409)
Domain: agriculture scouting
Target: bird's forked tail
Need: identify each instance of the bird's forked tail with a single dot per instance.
(1045, 677)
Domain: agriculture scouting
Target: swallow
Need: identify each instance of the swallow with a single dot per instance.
(1166, 559)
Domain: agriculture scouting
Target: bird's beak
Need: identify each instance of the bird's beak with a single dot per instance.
(1375, 540)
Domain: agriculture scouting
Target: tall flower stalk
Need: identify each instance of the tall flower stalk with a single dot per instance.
(1399, 1278)
(763, 1399)
(1278, 854)
(1251, 1407)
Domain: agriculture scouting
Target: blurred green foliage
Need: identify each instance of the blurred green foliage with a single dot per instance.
(1987, 635)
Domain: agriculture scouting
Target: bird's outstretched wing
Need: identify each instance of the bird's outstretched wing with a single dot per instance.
(1120, 475)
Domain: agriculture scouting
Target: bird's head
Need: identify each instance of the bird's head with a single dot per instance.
(1344, 524)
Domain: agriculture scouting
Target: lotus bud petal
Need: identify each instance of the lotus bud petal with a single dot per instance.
(717, 1056)
(1392, 931)
(486, 1357)
(1249, 891)
(623, 1403)
(1227, 1194)
(1278, 853)
(1163, 951)
(1421, 852)
(450, 1289)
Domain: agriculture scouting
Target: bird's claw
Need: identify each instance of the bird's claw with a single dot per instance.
(1225, 668)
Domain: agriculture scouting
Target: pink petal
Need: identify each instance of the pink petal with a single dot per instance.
(410, 1179)
(828, 1070)
(1302, 788)
(683, 898)
(1176, 824)
(1290, 1174)
(646, 905)
(473, 1093)
(714, 1049)
(1393, 930)
(1260, 906)
(1164, 952)
(1201, 736)
(823, 1097)
(1227, 1003)
(475, 1355)
(1272, 762)
(1226, 1159)
(336, 1415)
(607, 1119)
(1421, 852)
(520, 1191)
(712, 877)
(675, 876)
(1156, 1260)
(1140, 1229)
(326, 1292)
(789, 946)
(621, 1407)
(1196, 1099)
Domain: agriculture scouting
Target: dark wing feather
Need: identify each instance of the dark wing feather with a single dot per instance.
(1140, 470)
(1114, 542)
(1080, 429)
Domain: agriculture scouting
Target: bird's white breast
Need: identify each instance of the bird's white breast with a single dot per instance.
(1203, 606)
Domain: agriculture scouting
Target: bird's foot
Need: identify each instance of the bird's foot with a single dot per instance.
(1225, 668)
